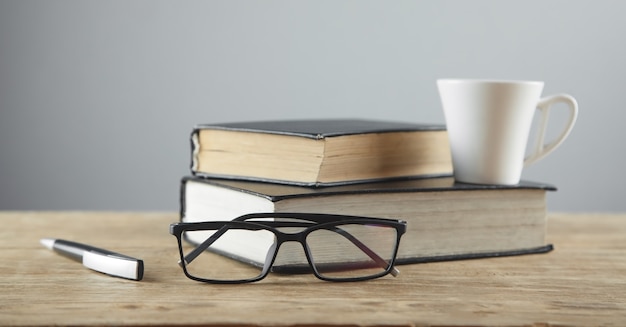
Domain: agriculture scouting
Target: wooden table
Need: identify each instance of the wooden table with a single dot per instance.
(581, 283)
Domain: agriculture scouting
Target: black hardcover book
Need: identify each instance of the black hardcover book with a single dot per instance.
(320, 152)
(446, 220)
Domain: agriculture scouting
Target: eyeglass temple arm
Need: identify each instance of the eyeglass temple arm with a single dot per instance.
(373, 255)
(205, 245)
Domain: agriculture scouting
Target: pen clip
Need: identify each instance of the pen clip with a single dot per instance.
(113, 265)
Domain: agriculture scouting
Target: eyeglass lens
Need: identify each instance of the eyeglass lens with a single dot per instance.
(238, 254)
(351, 251)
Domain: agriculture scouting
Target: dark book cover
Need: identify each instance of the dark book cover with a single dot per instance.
(276, 192)
(321, 128)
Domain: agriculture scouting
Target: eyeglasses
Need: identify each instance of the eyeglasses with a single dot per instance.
(336, 247)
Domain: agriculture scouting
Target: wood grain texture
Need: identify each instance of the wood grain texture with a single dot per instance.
(581, 283)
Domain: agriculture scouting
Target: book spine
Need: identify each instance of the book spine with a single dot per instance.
(195, 150)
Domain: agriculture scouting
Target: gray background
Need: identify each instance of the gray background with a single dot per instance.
(97, 99)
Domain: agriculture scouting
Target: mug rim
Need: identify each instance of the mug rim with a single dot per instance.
(487, 81)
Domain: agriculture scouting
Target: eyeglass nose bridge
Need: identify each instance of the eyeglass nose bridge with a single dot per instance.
(284, 237)
(299, 237)
(291, 237)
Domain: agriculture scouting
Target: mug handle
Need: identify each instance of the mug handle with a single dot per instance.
(540, 149)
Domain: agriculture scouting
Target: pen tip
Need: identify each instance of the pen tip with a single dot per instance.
(47, 242)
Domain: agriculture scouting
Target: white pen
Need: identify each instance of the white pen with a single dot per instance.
(101, 260)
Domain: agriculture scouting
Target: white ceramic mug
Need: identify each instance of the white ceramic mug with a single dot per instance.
(489, 123)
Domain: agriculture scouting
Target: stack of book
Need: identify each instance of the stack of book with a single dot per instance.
(361, 167)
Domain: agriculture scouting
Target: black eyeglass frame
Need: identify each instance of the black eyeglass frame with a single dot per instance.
(309, 221)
